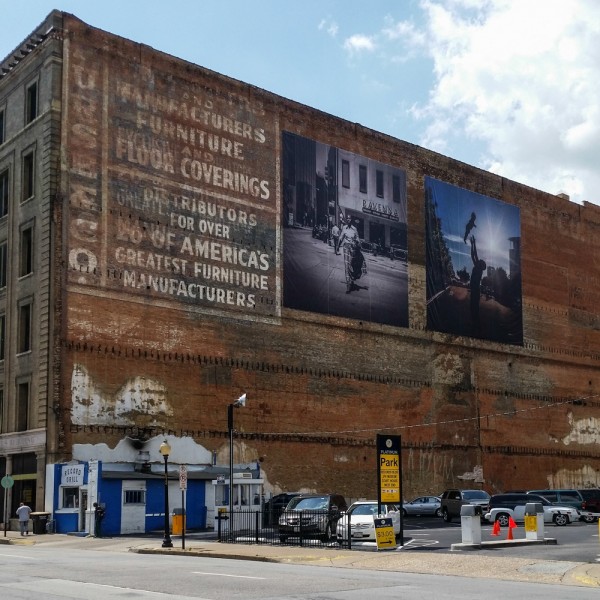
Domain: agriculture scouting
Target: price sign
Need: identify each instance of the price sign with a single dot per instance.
(384, 533)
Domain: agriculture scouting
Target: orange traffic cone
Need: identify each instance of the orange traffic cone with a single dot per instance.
(496, 529)
(511, 526)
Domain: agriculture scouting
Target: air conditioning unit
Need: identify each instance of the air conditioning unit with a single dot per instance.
(242, 475)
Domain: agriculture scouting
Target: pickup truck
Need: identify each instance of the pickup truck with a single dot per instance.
(453, 500)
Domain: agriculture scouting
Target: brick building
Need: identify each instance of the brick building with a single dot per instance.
(165, 246)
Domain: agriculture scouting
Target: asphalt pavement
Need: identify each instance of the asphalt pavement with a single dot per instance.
(462, 561)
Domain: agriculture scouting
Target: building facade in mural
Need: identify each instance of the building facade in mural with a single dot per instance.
(168, 242)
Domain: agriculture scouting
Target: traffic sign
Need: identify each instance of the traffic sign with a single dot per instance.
(7, 482)
(182, 477)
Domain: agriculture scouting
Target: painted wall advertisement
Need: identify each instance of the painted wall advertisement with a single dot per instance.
(172, 185)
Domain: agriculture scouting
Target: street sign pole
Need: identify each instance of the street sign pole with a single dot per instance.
(183, 486)
(7, 482)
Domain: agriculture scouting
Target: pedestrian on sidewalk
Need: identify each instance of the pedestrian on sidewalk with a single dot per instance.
(23, 513)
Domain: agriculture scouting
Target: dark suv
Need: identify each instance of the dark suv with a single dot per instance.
(311, 515)
(274, 507)
(453, 500)
(566, 497)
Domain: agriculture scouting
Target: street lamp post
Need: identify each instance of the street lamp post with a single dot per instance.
(241, 401)
(165, 450)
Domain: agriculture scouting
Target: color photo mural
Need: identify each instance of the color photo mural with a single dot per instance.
(344, 233)
(473, 264)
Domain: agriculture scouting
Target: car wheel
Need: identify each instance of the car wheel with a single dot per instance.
(560, 519)
(589, 518)
(438, 512)
(503, 519)
(446, 515)
(404, 513)
(328, 534)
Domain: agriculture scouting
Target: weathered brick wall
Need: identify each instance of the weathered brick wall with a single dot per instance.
(319, 387)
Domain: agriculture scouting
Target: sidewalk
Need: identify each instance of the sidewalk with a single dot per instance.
(458, 563)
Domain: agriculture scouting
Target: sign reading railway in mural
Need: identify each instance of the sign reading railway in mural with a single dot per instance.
(473, 264)
(344, 238)
(176, 200)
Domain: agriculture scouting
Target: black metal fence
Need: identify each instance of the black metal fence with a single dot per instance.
(298, 528)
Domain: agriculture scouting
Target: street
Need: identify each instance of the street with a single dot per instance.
(59, 573)
(314, 280)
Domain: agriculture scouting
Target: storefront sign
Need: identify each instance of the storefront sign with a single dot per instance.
(72, 475)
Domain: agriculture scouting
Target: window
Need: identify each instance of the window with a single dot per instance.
(396, 188)
(31, 103)
(2, 134)
(345, 174)
(362, 178)
(23, 406)
(28, 176)
(4, 193)
(379, 183)
(2, 335)
(70, 497)
(24, 327)
(3, 264)
(134, 496)
(26, 257)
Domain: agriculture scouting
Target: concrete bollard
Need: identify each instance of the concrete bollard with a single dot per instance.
(534, 521)
(470, 524)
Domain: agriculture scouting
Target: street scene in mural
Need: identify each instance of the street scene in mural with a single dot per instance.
(473, 264)
(344, 233)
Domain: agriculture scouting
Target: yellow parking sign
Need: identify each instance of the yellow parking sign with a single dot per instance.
(384, 533)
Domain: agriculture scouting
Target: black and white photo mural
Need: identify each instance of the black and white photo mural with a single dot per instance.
(473, 264)
(344, 233)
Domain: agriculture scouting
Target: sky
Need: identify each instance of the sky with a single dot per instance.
(509, 86)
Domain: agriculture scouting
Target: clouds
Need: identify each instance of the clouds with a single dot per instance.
(514, 85)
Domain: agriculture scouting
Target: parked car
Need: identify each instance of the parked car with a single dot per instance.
(361, 516)
(592, 500)
(273, 507)
(423, 505)
(566, 497)
(311, 515)
(504, 506)
(453, 500)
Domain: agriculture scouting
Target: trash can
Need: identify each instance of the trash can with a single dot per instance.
(39, 520)
(178, 521)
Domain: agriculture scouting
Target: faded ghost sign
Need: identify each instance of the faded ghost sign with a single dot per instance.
(172, 182)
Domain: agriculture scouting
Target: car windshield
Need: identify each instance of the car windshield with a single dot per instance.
(372, 509)
(476, 495)
(312, 503)
(540, 499)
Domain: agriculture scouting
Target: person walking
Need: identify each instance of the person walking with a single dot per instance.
(335, 236)
(23, 513)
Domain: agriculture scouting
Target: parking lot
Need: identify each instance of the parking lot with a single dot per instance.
(575, 542)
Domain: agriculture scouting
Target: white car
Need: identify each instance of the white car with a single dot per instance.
(362, 516)
(559, 515)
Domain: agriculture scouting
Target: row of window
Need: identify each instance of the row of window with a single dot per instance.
(31, 109)
(24, 313)
(363, 181)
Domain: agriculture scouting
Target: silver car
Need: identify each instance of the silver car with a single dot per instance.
(423, 505)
